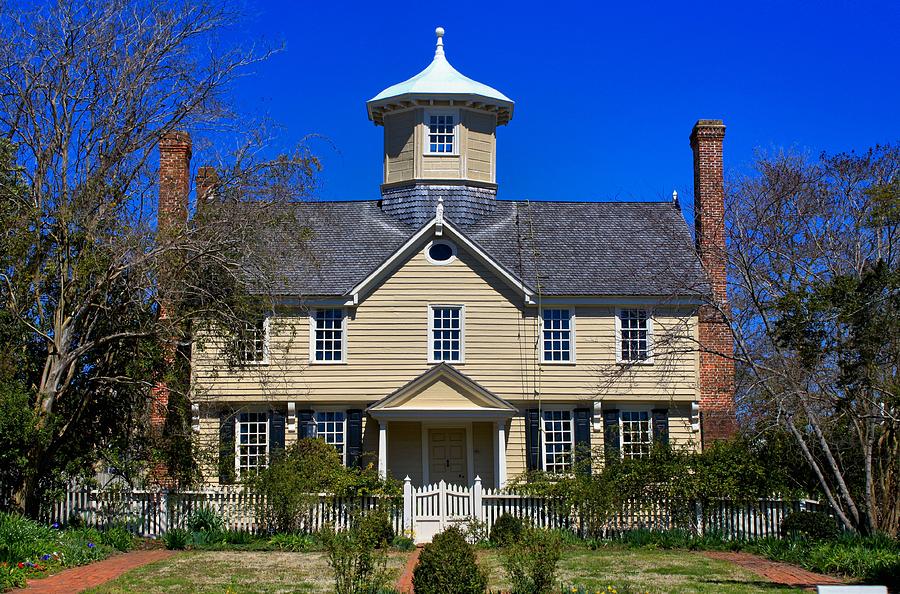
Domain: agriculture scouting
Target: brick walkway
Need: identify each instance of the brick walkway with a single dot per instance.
(780, 573)
(405, 583)
(81, 578)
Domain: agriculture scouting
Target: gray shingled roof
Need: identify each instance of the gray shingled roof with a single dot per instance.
(573, 248)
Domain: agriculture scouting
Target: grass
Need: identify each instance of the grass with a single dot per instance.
(657, 572)
(236, 572)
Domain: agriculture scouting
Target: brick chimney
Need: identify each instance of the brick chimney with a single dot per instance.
(172, 210)
(717, 407)
(174, 178)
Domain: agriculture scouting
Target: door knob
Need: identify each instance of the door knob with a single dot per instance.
(448, 463)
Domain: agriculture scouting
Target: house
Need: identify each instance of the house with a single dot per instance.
(443, 333)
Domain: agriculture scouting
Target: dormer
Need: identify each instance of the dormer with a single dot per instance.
(439, 141)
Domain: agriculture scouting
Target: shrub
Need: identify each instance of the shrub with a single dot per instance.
(205, 519)
(403, 543)
(238, 537)
(11, 577)
(296, 543)
(530, 564)
(358, 567)
(177, 539)
(809, 524)
(117, 537)
(506, 530)
(447, 566)
(377, 523)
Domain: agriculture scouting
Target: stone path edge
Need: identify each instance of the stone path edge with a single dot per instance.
(780, 573)
(78, 579)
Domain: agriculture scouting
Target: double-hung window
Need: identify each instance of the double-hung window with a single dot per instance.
(635, 340)
(558, 346)
(558, 433)
(441, 133)
(637, 433)
(252, 443)
(332, 427)
(253, 342)
(445, 341)
(328, 338)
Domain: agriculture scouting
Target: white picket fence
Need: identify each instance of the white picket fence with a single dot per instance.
(425, 511)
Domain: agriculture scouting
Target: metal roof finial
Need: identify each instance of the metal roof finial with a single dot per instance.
(439, 50)
(675, 197)
(439, 216)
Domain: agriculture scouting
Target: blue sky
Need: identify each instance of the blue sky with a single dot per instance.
(606, 93)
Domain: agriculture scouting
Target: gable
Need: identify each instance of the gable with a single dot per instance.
(442, 395)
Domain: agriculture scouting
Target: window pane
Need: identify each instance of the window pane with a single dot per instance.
(634, 337)
(637, 438)
(329, 336)
(253, 440)
(332, 427)
(557, 440)
(557, 335)
(446, 333)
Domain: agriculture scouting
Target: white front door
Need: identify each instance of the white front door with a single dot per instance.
(447, 456)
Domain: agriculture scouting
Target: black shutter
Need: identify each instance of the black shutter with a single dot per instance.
(533, 439)
(306, 423)
(660, 425)
(611, 432)
(583, 440)
(354, 437)
(226, 447)
(276, 431)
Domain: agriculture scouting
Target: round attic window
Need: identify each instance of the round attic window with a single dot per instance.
(441, 252)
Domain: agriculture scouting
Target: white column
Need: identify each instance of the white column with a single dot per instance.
(500, 454)
(477, 507)
(408, 505)
(382, 449)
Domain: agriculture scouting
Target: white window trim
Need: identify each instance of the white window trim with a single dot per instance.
(462, 332)
(572, 357)
(237, 438)
(650, 337)
(456, 129)
(450, 244)
(647, 408)
(312, 337)
(327, 409)
(265, 358)
(571, 410)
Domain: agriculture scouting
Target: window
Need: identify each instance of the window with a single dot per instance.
(441, 133)
(252, 342)
(252, 443)
(332, 427)
(558, 433)
(446, 340)
(635, 336)
(558, 347)
(637, 434)
(328, 336)
(441, 252)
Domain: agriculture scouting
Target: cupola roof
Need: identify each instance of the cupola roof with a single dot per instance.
(440, 82)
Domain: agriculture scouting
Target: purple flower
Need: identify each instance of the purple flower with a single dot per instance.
(45, 557)
(90, 545)
(54, 525)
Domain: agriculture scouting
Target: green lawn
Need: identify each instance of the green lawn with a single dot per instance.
(657, 572)
(235, 572)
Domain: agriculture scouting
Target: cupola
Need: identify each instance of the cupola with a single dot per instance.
(439, 142)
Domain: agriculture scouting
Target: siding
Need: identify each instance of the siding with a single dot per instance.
(480, 145)
(399, 146)
(405, 450)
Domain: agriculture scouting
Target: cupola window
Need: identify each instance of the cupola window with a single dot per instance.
(441, 133)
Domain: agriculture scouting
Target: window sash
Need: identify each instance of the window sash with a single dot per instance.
(445, 340)
(252, 342)
(328, 336)
(557, 334)
(251, 442)
(635, 336)
(636, 433)
(332, 427)
(557, 440)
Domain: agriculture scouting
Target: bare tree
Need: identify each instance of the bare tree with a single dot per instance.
(86, 92)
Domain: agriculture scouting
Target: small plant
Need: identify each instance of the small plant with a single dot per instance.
(403, 543)
(295, 543)
(530, 564)
(447, 566)
(475, 531)
(238, 537)
(177, 539)
(507, 530)
(358, 566)
(205, 519)
(377, 523)
(117, 537)
(809, 524)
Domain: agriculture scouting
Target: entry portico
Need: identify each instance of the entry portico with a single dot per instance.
(443, 426)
